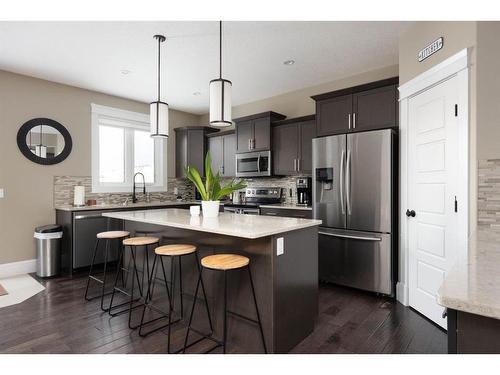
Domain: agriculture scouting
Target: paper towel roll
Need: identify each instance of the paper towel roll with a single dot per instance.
(79, 199)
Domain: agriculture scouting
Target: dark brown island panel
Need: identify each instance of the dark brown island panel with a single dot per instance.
(472, 334)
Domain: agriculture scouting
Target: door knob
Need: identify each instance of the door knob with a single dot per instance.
(410, 213)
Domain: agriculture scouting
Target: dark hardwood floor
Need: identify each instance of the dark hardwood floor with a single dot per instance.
(59, 320)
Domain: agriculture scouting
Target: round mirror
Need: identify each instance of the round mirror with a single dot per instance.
(44, 141)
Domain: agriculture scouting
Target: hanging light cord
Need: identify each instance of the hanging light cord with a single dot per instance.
(159, 64)
(220, 49)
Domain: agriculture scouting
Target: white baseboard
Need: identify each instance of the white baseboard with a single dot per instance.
(17, 268)
(402, 293)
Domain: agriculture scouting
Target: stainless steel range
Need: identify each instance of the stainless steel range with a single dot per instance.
(254, 197)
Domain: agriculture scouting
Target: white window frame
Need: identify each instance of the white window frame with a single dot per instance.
(102, 115)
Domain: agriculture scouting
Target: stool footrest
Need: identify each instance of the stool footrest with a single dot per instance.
(204, 336)
(157, 328)
(124, 310)
(99, 296)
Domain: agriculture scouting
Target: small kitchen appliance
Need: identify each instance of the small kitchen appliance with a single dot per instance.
(304, 190)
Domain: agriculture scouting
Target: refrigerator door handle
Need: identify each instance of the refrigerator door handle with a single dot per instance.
(350, 237)
(348, 182)
(342, 182)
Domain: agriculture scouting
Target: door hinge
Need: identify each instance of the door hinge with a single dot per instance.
(456, 110)
(456, 204)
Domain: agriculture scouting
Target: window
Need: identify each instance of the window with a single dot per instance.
(121, 147)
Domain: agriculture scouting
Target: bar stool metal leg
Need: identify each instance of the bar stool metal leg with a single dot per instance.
(225, 314)
(91, 268)
(257, 310)
(104, 275)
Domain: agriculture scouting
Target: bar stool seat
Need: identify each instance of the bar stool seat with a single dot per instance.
(113, 234)
(225, 262)
(140, 241)
(175, 250)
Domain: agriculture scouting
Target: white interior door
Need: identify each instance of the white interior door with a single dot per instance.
(433, 178)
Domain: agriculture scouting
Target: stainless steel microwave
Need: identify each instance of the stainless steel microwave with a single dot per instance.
(253, 164)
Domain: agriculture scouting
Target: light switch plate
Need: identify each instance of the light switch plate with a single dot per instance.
(1, 193)
(280, 246)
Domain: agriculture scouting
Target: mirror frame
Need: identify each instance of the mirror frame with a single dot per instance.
(25, 150)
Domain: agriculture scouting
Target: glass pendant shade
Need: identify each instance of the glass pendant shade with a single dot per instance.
(220, 102)
(158, 115)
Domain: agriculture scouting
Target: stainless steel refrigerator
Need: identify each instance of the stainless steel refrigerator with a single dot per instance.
(354, 194)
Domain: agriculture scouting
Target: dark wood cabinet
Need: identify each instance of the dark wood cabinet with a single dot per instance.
(190, 148)
(222, 149)
(292, 145)
(253, 133)
(366, 107)
(375, 109)
(472, 334)
(334, 115)
(286, 212)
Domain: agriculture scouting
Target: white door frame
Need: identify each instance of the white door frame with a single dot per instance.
(456, 65)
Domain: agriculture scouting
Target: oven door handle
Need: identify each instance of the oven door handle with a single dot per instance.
(258, 163)
(350, 237)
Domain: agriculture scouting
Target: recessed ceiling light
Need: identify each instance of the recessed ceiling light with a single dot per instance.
(288, 62)
(125, 71)
(196, 93)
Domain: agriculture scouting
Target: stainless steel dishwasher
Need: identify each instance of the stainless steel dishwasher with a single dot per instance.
(86, 226)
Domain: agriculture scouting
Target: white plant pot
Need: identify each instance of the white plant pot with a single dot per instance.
(210, 208)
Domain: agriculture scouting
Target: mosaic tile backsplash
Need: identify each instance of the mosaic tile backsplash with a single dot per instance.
(489, 194)
(64, 188)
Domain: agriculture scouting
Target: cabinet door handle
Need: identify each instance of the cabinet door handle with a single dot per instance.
(354, 120)
(349, 121)
(253, 144)
(271, 213)
(298, 165)
(249, 144)
(295, 165)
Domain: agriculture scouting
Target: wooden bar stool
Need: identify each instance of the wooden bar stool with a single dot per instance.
(225, 263)
(132, 243)
(107, 237)
(172, 252)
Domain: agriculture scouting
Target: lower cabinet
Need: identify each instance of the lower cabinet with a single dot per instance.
(472, 334)
(79, 235)
(286, 212)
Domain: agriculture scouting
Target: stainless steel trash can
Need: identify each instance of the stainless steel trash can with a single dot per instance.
(48, 250)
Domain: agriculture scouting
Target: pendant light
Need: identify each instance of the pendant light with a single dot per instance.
(220, 95)
(158, 112)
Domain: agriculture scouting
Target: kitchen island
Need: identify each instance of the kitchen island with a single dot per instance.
(284, 260)
(471, 295)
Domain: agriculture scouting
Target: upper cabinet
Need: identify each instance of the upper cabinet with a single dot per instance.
(292, 145)
(222, 147)
(367, 107)
(190, 148)
(253, 133)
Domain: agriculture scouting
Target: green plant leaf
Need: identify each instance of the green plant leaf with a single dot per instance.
(212, 189)
(193, 175)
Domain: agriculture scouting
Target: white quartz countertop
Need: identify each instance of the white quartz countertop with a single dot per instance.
(130, 205)
(286, 206)
(473, 285)
(229, 224)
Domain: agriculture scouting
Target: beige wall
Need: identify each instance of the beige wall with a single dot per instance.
(456, 35)
(29, 186)
(299, 103)
(488, 90)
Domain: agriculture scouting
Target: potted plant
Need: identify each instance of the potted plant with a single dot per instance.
(211, 190)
